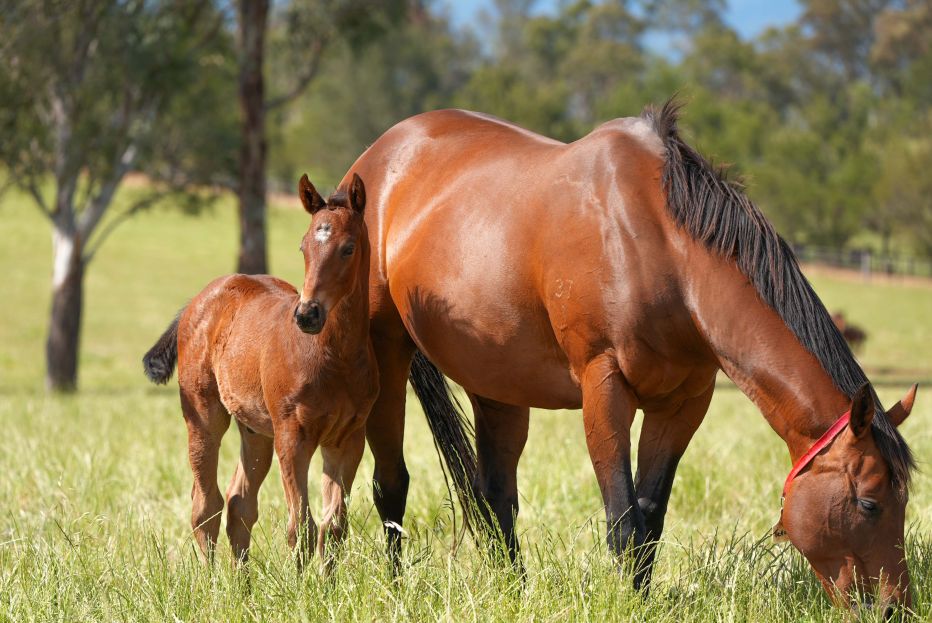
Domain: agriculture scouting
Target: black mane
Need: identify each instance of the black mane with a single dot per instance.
(715, 211)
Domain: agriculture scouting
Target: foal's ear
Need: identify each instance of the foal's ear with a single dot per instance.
(862, 411)
(901, 410)
(357, 194)
(309, 196)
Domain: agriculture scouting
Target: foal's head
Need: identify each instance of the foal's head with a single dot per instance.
(846, 511)
(334, 250)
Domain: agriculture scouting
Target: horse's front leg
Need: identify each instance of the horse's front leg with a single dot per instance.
(608, 411)
(294, 449)
(340, 465)
(664, 437)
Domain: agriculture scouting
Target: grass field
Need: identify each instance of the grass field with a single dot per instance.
(94, 488)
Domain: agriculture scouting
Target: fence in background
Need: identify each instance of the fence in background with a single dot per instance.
(866, 262)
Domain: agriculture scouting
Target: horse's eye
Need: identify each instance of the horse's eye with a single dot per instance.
(348, 250)
(868, 506)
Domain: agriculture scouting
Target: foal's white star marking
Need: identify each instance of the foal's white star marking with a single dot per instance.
(322, 233)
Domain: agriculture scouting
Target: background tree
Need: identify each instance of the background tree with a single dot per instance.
(91, 90)
(306, 29)
(418, 64)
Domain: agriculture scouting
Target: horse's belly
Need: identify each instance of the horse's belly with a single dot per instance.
(499, 351)
(241, 394)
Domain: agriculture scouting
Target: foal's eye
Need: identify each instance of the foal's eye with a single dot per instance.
(348, 250)
(868, 506)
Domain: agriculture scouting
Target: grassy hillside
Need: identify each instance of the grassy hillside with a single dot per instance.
(94, 488)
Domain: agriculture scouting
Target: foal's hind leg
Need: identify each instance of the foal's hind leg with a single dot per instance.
(207, 421)
(501, 432)
(340, 465)
(243, 493)
(664, 437)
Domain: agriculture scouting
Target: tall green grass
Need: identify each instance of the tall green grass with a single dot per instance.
(94, 488)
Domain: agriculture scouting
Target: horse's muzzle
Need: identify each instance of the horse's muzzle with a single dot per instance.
(310, 316)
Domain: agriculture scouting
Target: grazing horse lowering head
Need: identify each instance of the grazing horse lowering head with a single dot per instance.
(332, 250)
(845, 507)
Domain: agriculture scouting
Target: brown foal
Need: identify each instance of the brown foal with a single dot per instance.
(252, 347)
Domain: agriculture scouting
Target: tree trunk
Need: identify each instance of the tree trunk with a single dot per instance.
(61, 347)
(252, 253)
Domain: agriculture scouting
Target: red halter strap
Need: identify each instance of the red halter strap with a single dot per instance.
(817, 447)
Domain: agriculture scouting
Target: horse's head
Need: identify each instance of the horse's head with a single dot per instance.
(845, 512)
(333, 250)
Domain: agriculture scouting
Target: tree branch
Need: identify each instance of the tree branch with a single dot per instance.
(99, 204)
(91, 249)
(40, 200)
(317, 50)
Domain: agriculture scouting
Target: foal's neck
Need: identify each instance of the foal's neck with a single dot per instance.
(765, 359)
(347, 329)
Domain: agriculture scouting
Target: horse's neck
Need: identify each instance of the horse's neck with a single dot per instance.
(764, 358)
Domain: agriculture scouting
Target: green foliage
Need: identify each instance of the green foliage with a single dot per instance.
(814, 114)
(361, 91)
(82, 84)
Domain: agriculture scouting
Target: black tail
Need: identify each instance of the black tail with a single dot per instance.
(452, 431)
(159, 362)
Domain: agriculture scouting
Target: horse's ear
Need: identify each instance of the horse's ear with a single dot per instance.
(901, 410)
(309, 196)
(357, 194)
(862, 411)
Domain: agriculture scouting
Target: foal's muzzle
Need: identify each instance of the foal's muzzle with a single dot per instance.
(310, 316)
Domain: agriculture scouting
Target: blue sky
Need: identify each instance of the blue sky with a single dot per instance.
(748, 17)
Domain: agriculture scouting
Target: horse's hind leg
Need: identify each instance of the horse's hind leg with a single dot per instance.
(340, 465)
(608, 411)
(664, 437)
(207, 421)
(243, 493)
(501, 432)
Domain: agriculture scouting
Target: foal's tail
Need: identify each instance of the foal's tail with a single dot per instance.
(451, 429)
(159, 362)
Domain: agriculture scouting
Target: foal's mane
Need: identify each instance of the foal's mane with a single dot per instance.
(713, 208)
(338, 199)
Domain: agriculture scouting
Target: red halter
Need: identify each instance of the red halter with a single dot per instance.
(817, 447)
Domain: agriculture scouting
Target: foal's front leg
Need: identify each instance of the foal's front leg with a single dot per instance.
(295, 448)
(340, 465)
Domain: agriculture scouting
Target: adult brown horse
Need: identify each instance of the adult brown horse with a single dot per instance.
(617, 272)
(251, 347)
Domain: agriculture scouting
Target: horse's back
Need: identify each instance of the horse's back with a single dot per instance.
(493, 243)
(223, 299)
(221, 337)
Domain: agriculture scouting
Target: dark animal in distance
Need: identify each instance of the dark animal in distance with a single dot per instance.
(853, 334)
